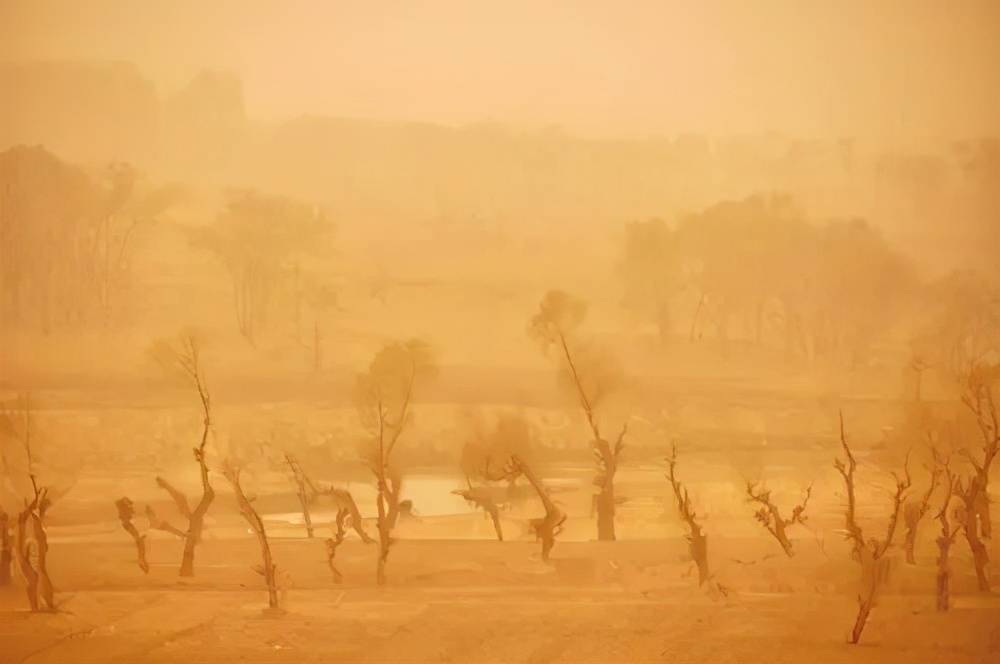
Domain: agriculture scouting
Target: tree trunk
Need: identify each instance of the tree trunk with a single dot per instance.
(980, 556)
(911, 545)
(35, 572)
(6, 553)
(698, 546)
(606, 512)
(864, 610)
(495, 516)
(306, 516)
(943, 574)
(197, 521)
(386, 515)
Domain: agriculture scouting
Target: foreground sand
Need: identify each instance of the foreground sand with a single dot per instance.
(482, 601)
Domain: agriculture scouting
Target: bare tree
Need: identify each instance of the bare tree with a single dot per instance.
(913, 512)
(332, 543)
(184, 356)
(870, 554)
(309, 492)
(6, 548)
(942, 466)
(383, 396)
(31, 543)
(592, 377)
(511, 436)
(697, 540)
(267, 569)
(770, 517)
(482, 498)
(546, 528)
(302, 490)
(126, 512)
(973, 492)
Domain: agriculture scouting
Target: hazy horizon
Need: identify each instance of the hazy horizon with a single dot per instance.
(896, 70)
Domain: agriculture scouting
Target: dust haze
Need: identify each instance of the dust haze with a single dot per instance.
(499, 332)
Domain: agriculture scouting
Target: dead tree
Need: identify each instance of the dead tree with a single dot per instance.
(482, 498)
(559, 314)
(947, 535)
(32, 548)
(6, 549)
(606, 456)
(871, 554)
(186, 358)
(126, 512)
(913, 513)
(384, 395)
(974, 513)
(302, 491)
(343, 515)
(697, 540)
(770, 517)
(31, 544)
(267, 569)
(546, 528)
(156, 523)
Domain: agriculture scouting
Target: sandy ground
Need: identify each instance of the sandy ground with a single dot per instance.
(484, 601)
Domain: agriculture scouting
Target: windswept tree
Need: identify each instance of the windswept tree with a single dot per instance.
(126, 515)
(347, 514)
(303, 492)
(6, 548)
(267, 569)
(547, 527)
(979, 397)
(510, 437)
(592, 375)
(261, 240)
(768, 514)
(183, 358)
(914, 512)
(696, 538)
(869, 554)
(948, 532)
(384, 398)
(31, 542)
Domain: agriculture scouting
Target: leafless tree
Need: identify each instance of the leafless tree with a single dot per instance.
(546, 528)
(913, 512)
(770, 517)
(6, 548)
(974, 514)
(697, 540)
(31, 543)
(126, 513)
(302, 490)
(309, 492)
(384, 396)
(870, 554)
(592, 377)
(184, 356)
(332, 543)
(942, 465)
(267, 569)
(482, 498)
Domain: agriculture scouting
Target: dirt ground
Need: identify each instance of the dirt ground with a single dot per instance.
(483, 601)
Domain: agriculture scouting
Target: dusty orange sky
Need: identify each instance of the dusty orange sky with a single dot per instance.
(888, 68)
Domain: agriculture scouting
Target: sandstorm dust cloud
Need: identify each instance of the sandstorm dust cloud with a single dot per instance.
(499, 332)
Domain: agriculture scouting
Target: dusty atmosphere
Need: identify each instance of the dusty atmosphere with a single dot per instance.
(499, 332)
